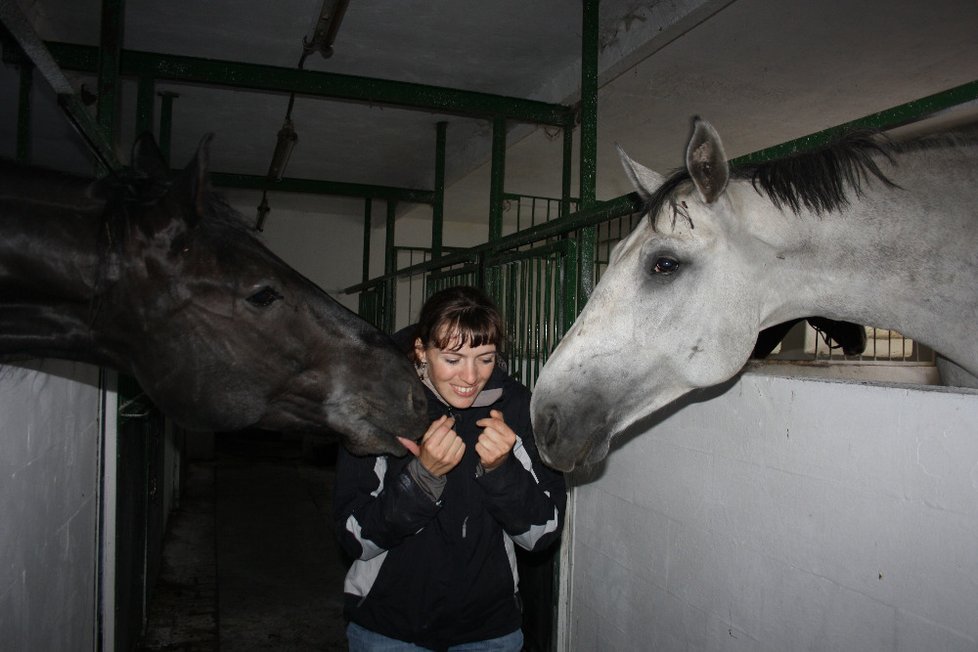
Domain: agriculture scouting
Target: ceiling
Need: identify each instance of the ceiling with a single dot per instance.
(763, 71)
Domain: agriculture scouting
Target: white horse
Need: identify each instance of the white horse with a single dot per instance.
(865, 230)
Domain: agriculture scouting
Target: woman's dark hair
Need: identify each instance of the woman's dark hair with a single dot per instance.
(460, 315)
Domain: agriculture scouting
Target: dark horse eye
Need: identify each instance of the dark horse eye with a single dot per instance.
(664, 265)
(264, 297)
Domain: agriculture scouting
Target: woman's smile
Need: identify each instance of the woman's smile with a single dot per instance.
(459, 373)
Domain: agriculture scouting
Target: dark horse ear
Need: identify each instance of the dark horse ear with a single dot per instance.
(192, 188)
(706, 161)
(147, 159)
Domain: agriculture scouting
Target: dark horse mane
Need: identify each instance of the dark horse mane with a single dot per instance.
(819, 180)
(125, 190)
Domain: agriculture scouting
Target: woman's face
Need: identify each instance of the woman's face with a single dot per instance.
(458, 374)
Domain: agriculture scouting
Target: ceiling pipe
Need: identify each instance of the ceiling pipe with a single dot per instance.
(323, 35)
(327, 25)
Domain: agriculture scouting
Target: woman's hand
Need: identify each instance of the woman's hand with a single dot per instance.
(496, 440)
(441, 448)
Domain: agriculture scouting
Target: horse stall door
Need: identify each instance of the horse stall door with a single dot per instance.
(138, 510)
(50, 433)
(783, 513)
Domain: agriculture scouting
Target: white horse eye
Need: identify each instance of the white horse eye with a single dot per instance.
(665, 265)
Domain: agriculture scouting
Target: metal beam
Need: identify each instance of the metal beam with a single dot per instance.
(891, 118)
(497, 179)
(590, 45)
(312, 186)
(438, 207)
(216, 72)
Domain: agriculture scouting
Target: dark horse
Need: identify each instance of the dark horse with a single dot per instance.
(849, 337)
(159, 278)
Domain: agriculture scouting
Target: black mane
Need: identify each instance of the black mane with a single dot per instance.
(818, 180)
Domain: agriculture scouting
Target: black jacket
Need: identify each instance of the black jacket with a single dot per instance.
(444, 573)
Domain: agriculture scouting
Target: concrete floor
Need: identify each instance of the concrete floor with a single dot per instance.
(250, 558)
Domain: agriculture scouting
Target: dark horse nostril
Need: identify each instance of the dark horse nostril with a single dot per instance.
(550, 427)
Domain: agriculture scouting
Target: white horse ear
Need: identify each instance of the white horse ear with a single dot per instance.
(706, 161)
(646, 181)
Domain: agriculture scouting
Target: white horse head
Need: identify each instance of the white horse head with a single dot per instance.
(725, 253)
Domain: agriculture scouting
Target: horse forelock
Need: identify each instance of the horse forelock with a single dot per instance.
(665, 195)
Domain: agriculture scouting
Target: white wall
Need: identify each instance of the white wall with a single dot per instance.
(49, 453)
(327, 249)
(785, 514)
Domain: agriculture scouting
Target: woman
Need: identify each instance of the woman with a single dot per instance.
(432, 533)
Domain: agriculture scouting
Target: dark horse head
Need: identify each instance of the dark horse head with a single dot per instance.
(156, 276)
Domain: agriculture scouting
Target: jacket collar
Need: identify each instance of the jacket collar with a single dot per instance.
(486, 397)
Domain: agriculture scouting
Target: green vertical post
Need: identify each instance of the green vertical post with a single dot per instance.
(389, 264)
(110, 46)
(145, 101)
(497, 178)
(569, 269)
(589, 141)
(567, 171)
(497, 188)
(24, 112)
(166, 122)
(367, 206)
(438, 208)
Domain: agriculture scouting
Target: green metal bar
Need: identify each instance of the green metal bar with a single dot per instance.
(367, 207)
(438, 207)
(497, 181)
(589, 140)
(166, 123)
(389, 267)
(569, 287)
(313, 186)
(536, 322)
(497, 178)
(522, 317)
(145, 104)
(24, 112)
(110, 45)
(548, 291)
(215, 72)
(888, 119)
(567, 172)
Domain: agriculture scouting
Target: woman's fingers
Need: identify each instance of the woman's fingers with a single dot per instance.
(441, 448)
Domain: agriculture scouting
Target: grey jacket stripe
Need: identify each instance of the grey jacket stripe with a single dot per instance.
(529, 538)
(363, 573)
(368, 548)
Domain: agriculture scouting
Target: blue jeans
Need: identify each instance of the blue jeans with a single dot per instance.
(365, 640)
